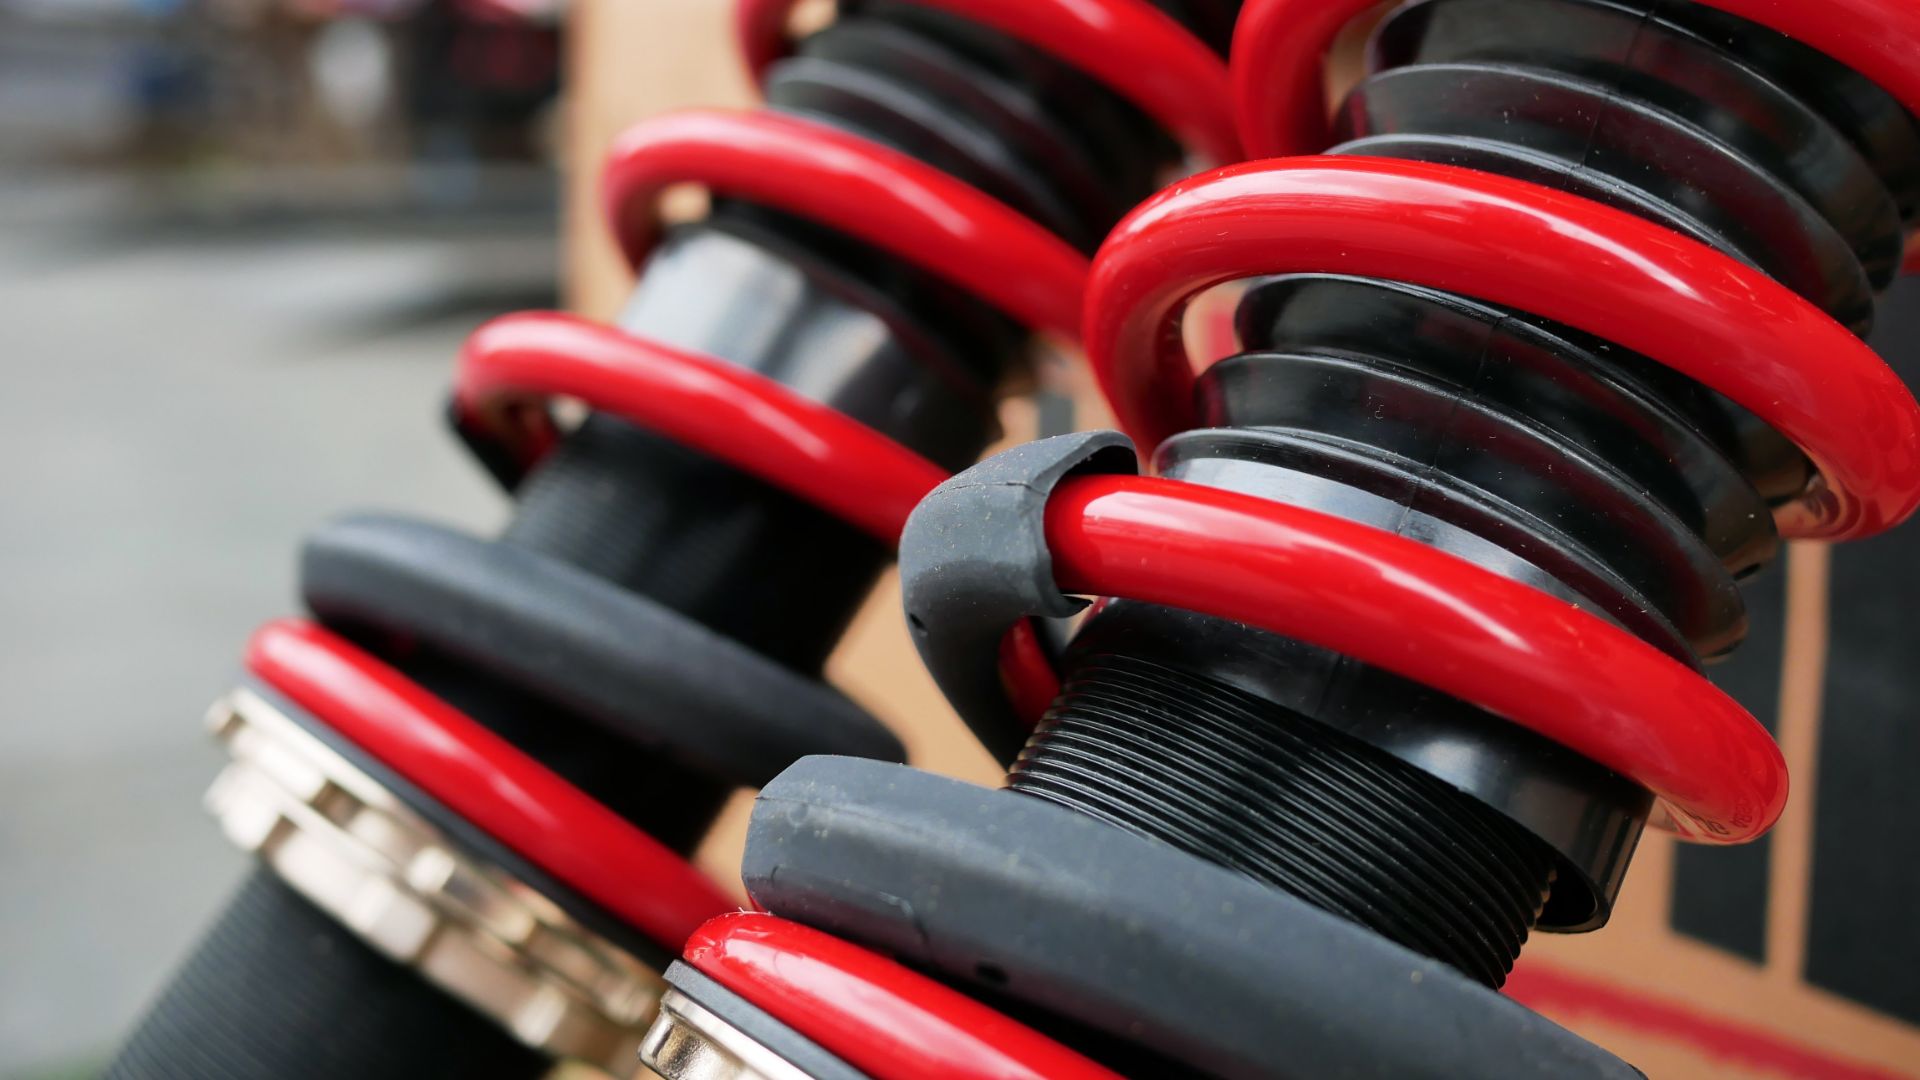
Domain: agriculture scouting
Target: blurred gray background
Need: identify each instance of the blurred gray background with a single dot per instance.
(238, 250)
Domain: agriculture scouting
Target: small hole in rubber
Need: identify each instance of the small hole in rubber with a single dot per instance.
(913, 620)
(991, 973)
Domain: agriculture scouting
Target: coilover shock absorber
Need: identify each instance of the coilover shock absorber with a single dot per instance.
(474, 775)
(1402, 647)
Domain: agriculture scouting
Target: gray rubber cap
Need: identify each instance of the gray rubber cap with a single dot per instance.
(974, 560)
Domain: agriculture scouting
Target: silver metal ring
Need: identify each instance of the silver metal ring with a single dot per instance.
(689, 1042)
(408, 890)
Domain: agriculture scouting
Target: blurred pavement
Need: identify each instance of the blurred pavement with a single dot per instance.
(178, 409)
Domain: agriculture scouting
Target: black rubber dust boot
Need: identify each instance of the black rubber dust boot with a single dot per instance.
(274, 964)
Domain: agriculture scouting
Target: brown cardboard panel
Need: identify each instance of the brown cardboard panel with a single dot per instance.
(1676, 1005)
(628, 59)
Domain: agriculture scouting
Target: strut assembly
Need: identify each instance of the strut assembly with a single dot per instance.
(1400, 649)
(1400, 646)
(473, 777)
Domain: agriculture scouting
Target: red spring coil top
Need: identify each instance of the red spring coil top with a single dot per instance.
(1279, 87)
(512, 365)
(1412, 610)
(1508, 242)
(1136, 50)
(1279, 80)
(872, 193)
